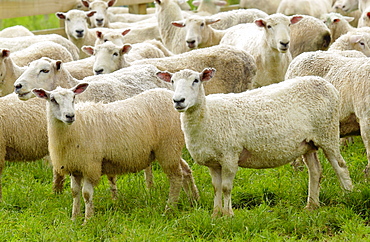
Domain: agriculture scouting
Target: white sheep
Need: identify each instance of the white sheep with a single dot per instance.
(110, 57)
(12, 65)
(268, 6)
(340, 7)
(15, 31)
(309, 34)
(76, 28)
(338, 24)
(88, 140)
(313, 8)
(80, 69)
(208, 7)
(232, 63)
(199, 33)
(236, 16)
(351, 77)
(22, 139)
(262, 128)
(267, 40)
(364, 20)
(172, 37)
(355, 40)
(20, 43)
(347, 5)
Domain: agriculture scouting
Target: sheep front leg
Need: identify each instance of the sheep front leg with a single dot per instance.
(76, 194)
(88, 192)
(228, 174)
(314, 172)
(217, 186)
(58, 182)
(2, 165)
(365, 135)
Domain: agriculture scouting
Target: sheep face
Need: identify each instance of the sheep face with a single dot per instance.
(110, 57)
(346, 5)
(61, 101)
(76, 22)
(4, 53)
(197, 29)
(114, 37)
(277, 29)
(187, 85)
(359, 43)
(100, 18)
(38, 74)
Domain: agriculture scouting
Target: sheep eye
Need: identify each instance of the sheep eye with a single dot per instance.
(196, 81)
(362, 43)
(115, 54)
(172, 81)
(44, 71)
(68, 19)
(269, 26)
(53, 100)
(105, 40)
(202, 24)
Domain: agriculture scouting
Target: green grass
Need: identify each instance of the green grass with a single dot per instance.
(268, 206)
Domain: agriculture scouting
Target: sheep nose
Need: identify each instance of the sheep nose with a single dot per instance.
(285, 44)
(17, 87)
(98, 72)
(100, 20)
(80, 32)
(191, 43)
(70, 118)
(179, 101)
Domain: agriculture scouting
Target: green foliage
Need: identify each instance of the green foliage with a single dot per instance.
(37, 22)
(268, 205)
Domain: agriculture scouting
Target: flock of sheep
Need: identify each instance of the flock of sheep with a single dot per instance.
(257, 87)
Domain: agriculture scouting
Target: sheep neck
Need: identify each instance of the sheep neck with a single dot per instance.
(194, 116)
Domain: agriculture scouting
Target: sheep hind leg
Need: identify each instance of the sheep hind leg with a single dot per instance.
(174, 174)
(190, 188)
(217, 187)
(2, 165)
(113, 185)
(88, 192)
(314, 171)
(148, 174)
(76, 194)
(340, 167)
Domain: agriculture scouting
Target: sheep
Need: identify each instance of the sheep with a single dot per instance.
(15, 31)
(341, 8)
(347, 5)
(199, 33)
(208, 7)
(268, 6)
(20, 43)
(267, 40)
(338, 24)
(232, 63)
(355, 40)
(313, 8)
(309, 34)
(110, 57)
(80, 69)
(350, 77)
(127, 138)
(364, 20)
(249, 129)
(76, 28)
(237, 16)
(172, 37)
(22, 139)
(9, 72)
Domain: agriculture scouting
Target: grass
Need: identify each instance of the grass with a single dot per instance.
(268, 204)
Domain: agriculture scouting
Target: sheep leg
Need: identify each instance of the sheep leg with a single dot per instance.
(314, 171)
(148, 174)
(2, 164)
(113, 185)
(88, 192)
(217, 186)
(175, 178)
(228, 174)
(190, 188)
(58, 182)
(339, 165)
(76, 194)
(365, 134)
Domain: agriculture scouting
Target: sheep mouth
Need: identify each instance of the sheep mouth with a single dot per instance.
(23, 95)
(180, 108)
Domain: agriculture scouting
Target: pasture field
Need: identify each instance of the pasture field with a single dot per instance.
(268, 204)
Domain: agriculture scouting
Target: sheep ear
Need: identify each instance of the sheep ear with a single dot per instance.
(41, 93)
(88, 49)
(126, 48)
(295, 19)
(80, 88)
(58, 64)
(355, 38)
(212, 20)
(5, 52)
(85, 3)
(90, 14)
(207, 74)
(336, 20)
(60, 15)
(179, 24)
(99, 34)
(348, 19)
(125, 32)
(260, 22)
(368, 14)
(220, 3)
(111, 3)
(164, 76)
